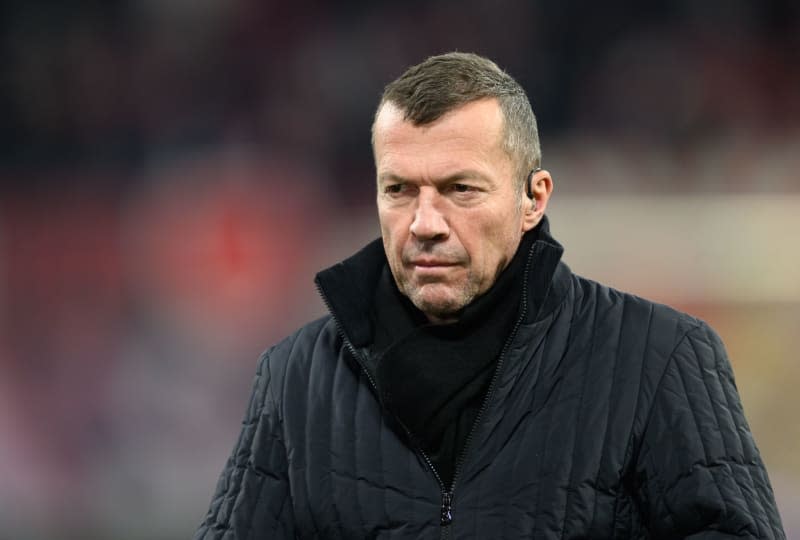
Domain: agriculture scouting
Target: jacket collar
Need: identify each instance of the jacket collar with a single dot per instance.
(348, 287)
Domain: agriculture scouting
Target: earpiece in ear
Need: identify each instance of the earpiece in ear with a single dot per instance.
(529, 184)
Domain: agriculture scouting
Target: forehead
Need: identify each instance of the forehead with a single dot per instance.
(474, 129)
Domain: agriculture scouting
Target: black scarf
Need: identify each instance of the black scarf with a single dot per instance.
(433, 378)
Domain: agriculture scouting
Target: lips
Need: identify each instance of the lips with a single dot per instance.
(431, 263)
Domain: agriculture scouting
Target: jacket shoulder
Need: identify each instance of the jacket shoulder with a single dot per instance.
(299, 347)
(663, 325)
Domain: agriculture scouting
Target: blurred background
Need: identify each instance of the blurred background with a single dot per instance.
(174, 172)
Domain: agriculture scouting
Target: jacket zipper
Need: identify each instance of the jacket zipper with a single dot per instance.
(446, 516)
(446, 513)
(447, 497)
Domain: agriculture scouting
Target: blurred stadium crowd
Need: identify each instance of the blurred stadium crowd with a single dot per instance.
(173, 173)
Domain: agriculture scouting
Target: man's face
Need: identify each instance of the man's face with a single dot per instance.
(450, 211)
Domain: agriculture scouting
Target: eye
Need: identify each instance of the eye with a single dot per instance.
(399, 190)
(393, 188)
(463, 190)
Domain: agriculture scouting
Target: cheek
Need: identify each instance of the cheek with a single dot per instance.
(393, 240)
(497, 247)
(387, 227)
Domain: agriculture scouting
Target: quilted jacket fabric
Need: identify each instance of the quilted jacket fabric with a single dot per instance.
(608, 417)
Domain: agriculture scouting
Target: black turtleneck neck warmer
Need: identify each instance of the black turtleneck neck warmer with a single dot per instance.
(433, 378)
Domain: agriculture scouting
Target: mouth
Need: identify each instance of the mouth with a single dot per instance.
(426, 263)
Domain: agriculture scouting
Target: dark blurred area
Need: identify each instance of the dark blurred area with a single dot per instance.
(173, 173)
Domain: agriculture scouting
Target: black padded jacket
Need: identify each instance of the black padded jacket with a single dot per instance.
(608, 416)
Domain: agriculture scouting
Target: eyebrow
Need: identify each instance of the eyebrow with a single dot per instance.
(456, 176)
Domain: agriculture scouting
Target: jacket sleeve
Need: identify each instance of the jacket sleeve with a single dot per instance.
(699, 472)
(252, 498)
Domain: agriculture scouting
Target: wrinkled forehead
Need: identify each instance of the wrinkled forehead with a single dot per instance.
(465, 139)
(479, 119)
(493, 123)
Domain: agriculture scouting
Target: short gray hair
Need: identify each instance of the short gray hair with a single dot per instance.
(440, 84)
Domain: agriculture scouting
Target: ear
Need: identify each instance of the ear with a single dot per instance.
(540, 185)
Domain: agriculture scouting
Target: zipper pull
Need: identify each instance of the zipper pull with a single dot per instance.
(447, 516)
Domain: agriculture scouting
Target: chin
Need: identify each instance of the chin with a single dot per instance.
(440, 306)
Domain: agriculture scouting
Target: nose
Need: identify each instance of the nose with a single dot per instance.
(429, 223)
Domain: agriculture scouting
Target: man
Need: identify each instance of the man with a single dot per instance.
(466, 384)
